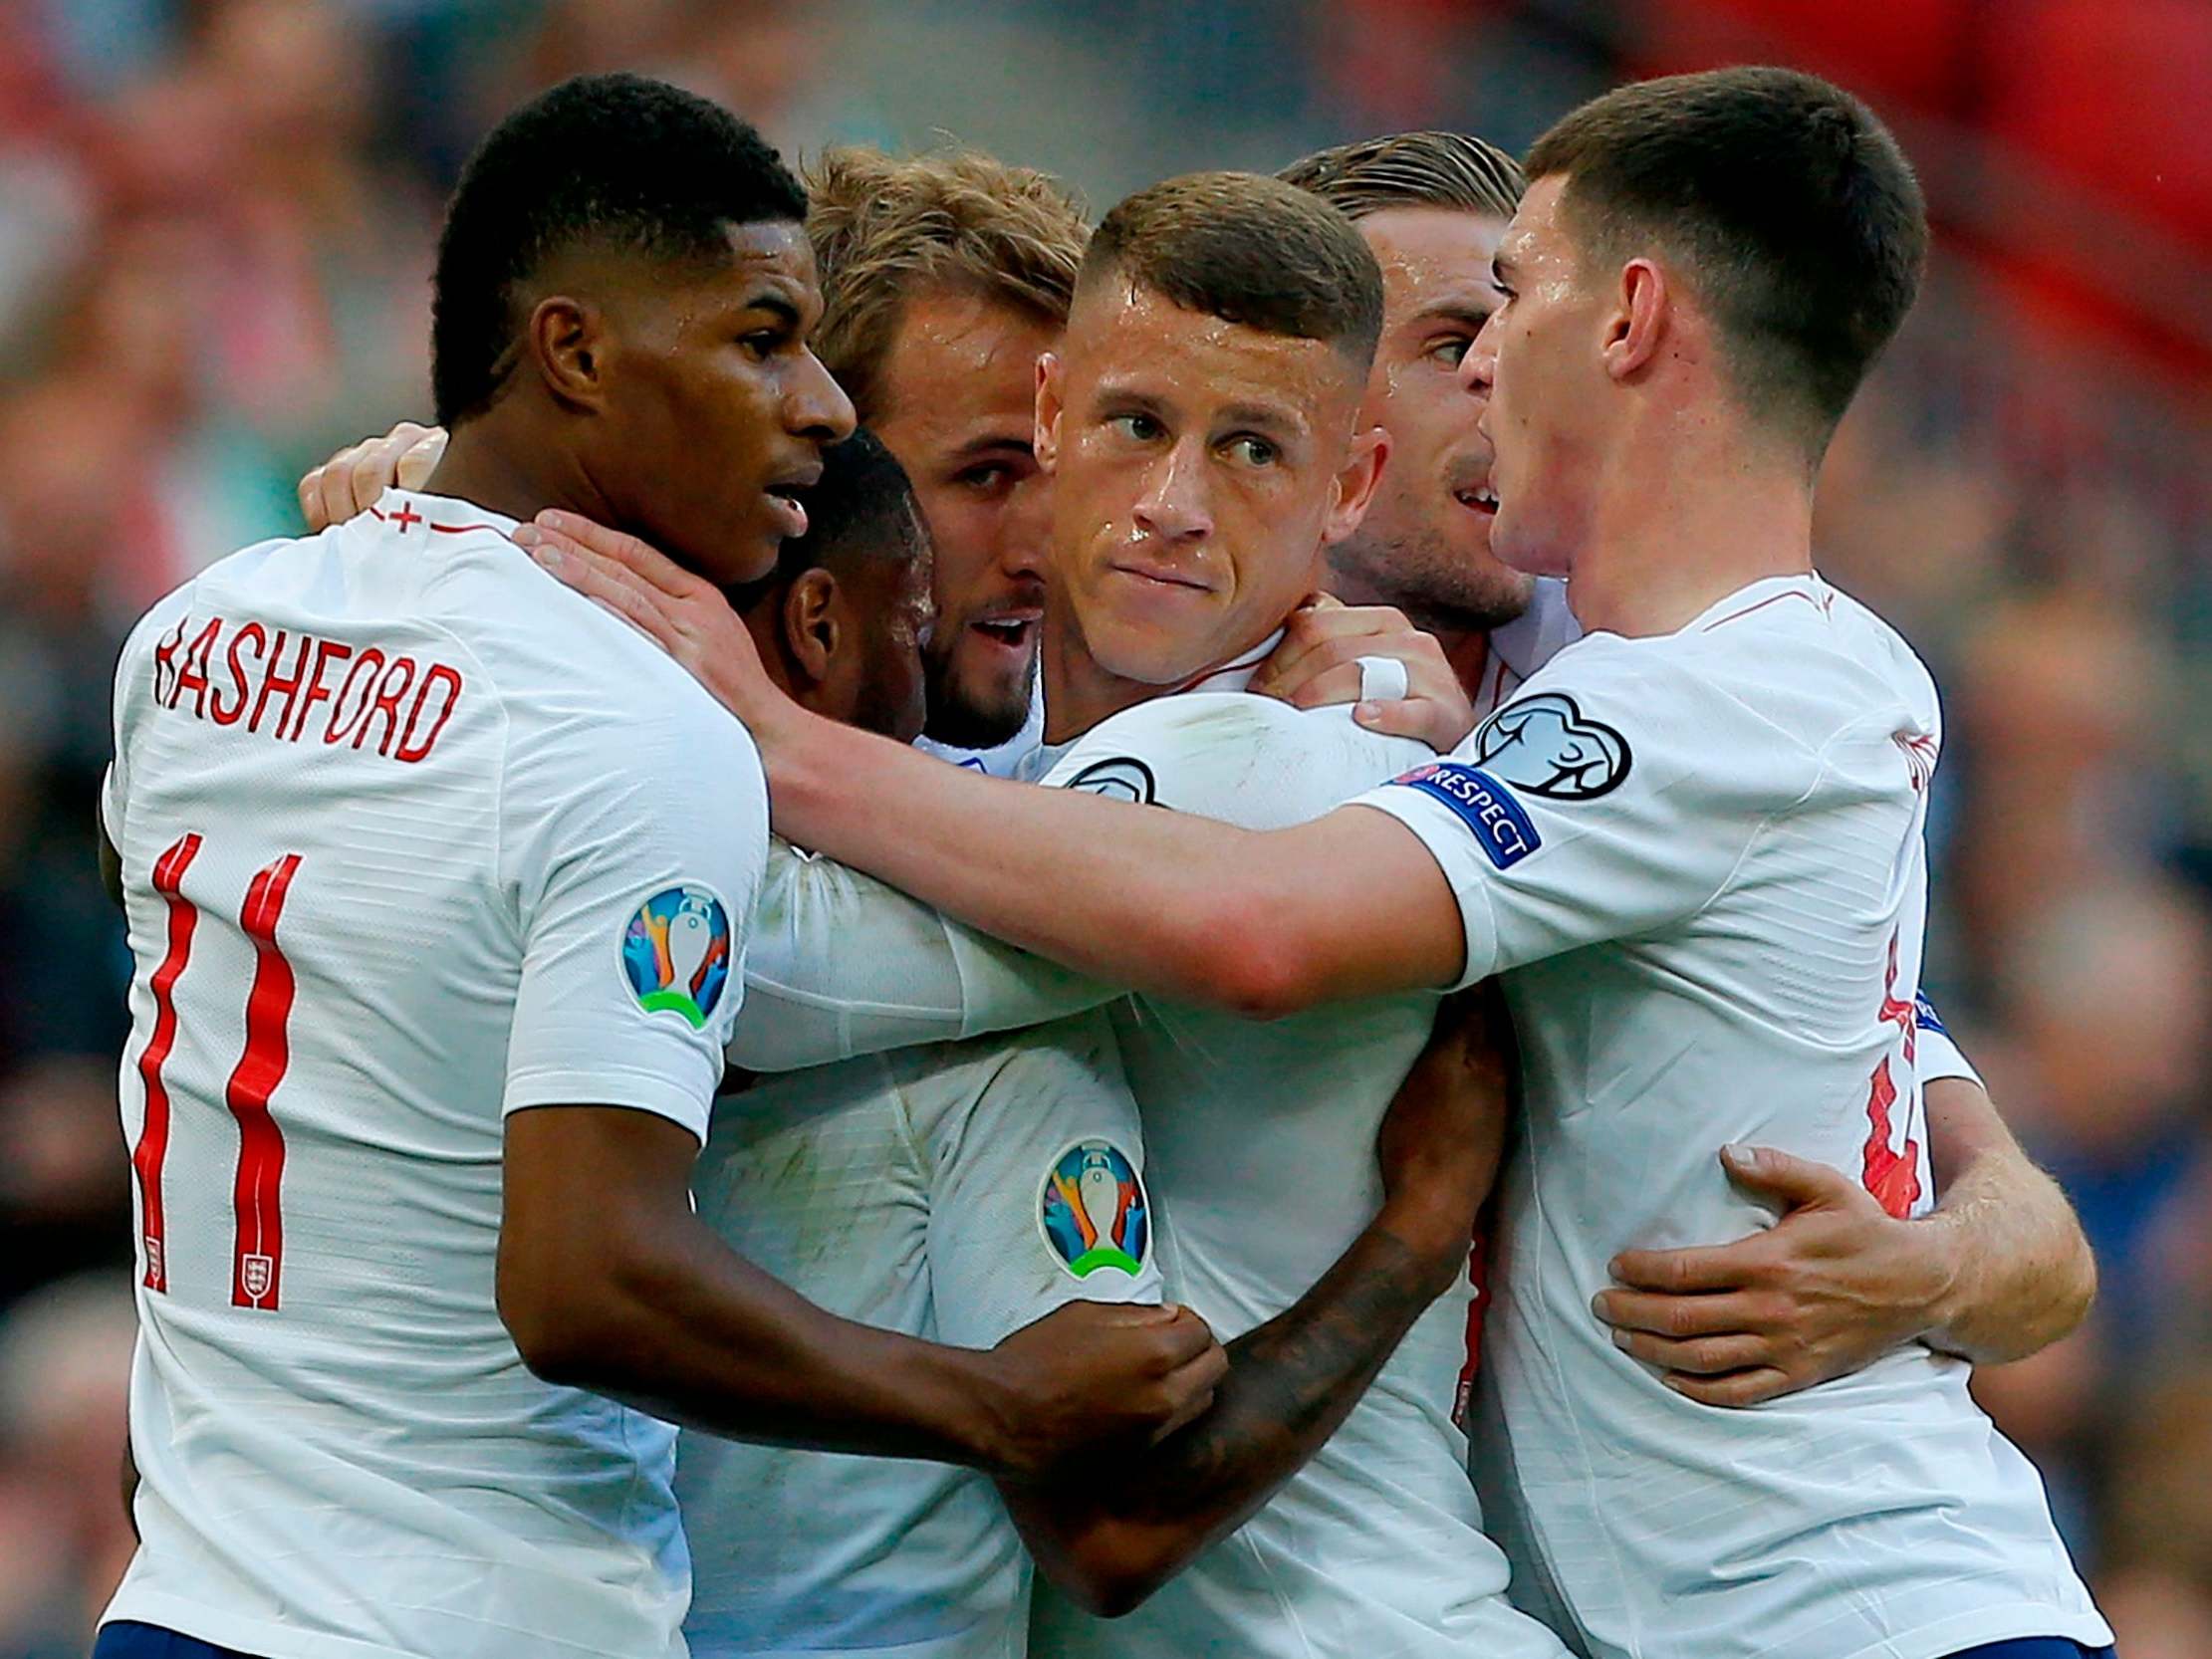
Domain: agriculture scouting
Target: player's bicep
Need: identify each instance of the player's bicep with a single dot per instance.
(583, 1187)
(1038, 1195)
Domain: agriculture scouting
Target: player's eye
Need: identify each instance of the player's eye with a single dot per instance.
(1137, 427)
(1451, 351)
(986, 478)
(762, 343)
(1253, 451)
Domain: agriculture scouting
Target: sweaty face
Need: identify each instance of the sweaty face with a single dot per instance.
(1424, 545)
(957, 394)
(1540, 358)
(715, 410)
(1195, 464)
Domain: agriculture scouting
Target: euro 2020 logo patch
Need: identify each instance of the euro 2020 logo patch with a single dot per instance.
(1093, 1212)
(676, 953)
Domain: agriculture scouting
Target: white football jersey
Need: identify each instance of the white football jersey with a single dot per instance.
(1696, 862)
(1261, 1146)
(1003, 760)
(412, 838)
(955, 1192)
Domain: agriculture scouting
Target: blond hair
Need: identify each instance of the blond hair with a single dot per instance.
(885, 228)
(1413, 170)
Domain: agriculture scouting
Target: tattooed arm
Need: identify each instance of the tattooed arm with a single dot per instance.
(1113, 1533)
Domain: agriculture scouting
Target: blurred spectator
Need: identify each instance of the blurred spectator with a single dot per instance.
(65, 1365)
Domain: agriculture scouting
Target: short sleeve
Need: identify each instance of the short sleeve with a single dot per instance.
(636, 848)
(1613, 796)
(1936, 1055)
(1038, 1195)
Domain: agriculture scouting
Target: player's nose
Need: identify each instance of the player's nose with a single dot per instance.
(1478, 370)
(815, 406)
(1175, 504)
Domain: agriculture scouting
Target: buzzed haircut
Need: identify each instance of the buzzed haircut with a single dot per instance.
(1784, 201)
(1452, 170)
(615, 160)
(885, 230)
(863, 509)
(1250, 250)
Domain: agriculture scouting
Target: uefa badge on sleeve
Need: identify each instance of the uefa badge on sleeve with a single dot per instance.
(676, 953)
(1092, 1210)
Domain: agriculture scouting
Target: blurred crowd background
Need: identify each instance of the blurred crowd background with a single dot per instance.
(216, 222)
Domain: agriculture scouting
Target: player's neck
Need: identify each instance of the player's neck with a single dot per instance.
(1078, 692)
(490, 463)
(1675, 532)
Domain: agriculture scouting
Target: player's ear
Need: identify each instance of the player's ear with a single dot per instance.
(813, 624)
(1639, 319)
(566, 341)
(1045, 439)
(1355, 483)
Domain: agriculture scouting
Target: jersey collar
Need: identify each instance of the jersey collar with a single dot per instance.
(401, 512)
(1233, 675)
(1763, 594)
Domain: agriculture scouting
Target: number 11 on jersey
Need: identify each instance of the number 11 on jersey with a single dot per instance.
(257, 1249)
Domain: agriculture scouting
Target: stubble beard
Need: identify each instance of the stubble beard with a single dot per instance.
(1426, 577)
(960, 722)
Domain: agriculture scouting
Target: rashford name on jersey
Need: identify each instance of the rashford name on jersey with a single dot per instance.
(291, 672)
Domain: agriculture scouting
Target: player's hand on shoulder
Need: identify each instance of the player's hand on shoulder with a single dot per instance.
(346, 483)
(1373, 658)
(1441, 1140)
(1833, 1285)
(1091, 1374)
(685, 615)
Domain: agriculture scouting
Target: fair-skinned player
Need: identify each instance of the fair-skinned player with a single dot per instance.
(1702, 821)
(412, 1134)
(2001, 1268)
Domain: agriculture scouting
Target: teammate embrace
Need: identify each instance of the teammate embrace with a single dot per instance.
(486, 990)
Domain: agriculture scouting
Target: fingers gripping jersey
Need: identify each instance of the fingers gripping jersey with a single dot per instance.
(1697, 862)
(411, 837)
(955, 1192)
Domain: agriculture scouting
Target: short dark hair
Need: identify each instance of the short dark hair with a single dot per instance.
(861, 509)
(615, 160)
(1454, 170)
(1247, 249)
(1785, 202)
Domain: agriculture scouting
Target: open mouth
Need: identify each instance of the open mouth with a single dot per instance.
(1014, 630)
(1484, 500)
